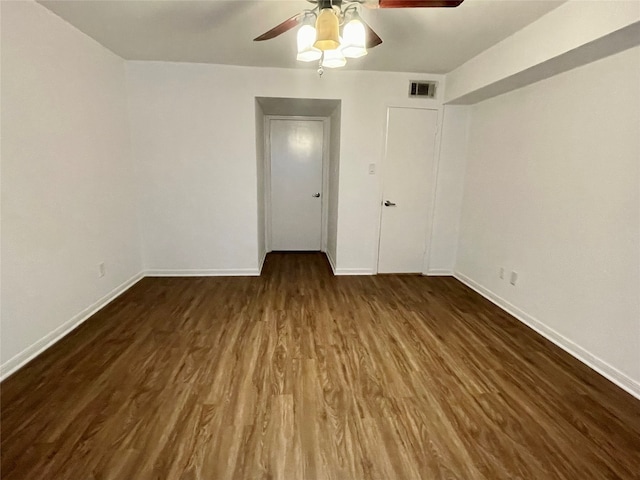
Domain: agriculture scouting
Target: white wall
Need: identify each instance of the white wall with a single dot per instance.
(67, 184)
(552, 192)
(575, 33)
(449, 189)
(334, 183)
(260, 171)
(194, 141)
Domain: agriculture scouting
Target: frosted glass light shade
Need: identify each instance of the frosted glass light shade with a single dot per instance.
(354, 39)
(327, 30)
(306, 38)
(333, 59)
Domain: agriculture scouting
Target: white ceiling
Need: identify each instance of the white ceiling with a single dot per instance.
(432, 40)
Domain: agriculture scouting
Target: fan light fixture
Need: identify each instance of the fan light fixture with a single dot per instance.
(319, 35)
(324, 42)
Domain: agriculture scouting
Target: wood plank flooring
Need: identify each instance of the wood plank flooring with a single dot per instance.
(301, 375)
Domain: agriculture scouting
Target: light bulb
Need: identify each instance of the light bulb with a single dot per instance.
(354, 35)
(306, 38)
(328, 29)
(333, 59)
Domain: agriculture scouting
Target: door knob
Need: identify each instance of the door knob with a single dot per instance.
(387, 203)
(316, 195)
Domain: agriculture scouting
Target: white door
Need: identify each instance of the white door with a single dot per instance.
(407, 189)
(296, 184)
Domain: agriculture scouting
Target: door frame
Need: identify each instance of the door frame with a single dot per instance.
(434, 173)
(324, 215)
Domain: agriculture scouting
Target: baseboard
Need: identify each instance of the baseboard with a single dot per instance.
(597, 364)
(353, 271)
(332, 262)
(48, 340)
(347, 271)
(231, 272)
(439, 272)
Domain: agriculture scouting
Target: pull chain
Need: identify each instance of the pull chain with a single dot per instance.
(320, 69)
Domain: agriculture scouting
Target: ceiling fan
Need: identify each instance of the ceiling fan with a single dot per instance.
(320, 38)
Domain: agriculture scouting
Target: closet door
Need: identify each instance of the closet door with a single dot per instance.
(407, 189)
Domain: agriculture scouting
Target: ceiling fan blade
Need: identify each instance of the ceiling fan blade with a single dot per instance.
(373, 40)
(279, 29)
(418, 3)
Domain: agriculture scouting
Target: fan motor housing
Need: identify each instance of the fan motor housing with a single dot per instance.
(328, 3)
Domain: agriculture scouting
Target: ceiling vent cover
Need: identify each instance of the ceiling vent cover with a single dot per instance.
(422, 89)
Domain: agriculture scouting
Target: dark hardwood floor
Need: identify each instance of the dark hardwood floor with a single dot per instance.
(301, 375)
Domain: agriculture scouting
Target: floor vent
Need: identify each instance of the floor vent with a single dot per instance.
(422, 89)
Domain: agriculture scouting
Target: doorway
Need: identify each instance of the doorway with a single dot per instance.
(408, 183)
(298, 165)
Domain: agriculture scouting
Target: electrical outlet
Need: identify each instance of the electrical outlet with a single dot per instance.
(502, 273)
(101, 270)
(514, 278)
(372, 169)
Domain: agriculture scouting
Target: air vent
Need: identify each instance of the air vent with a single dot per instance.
(422, 89)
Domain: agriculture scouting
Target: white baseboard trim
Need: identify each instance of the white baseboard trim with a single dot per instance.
(439, 272)
(353, 271)
(231, 272)
(597, 364)
(54, 336)
(14, 363)
(332, 262)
